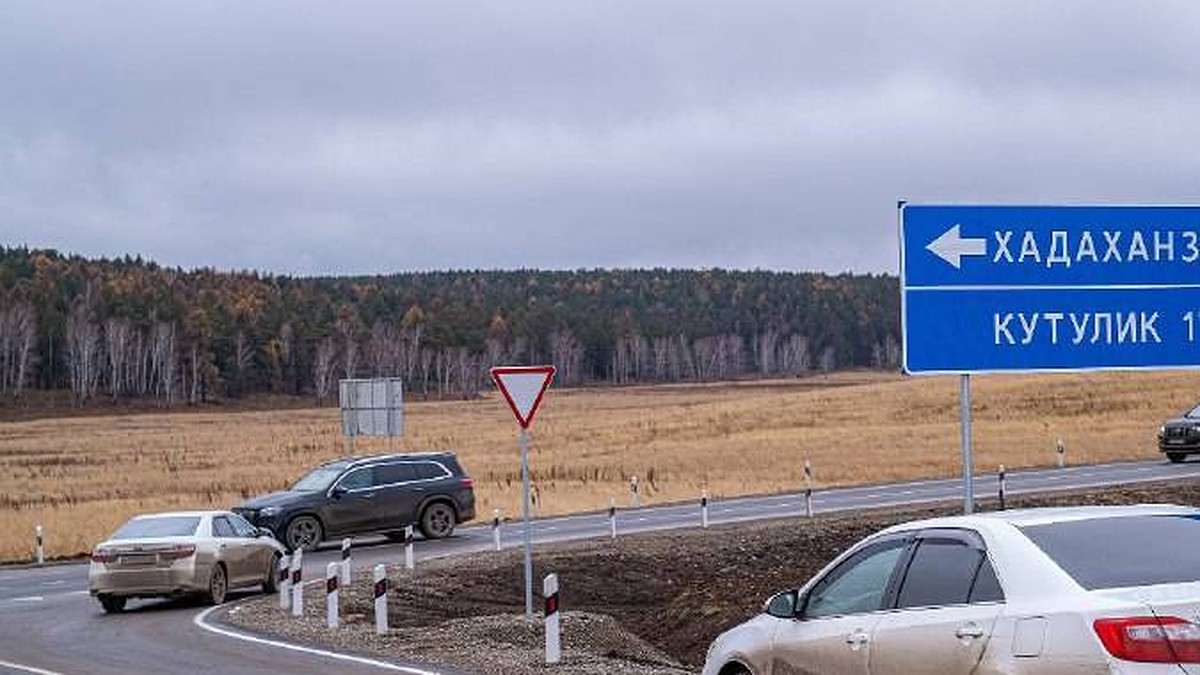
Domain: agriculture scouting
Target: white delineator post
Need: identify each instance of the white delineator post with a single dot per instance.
(333, 572)
(704, 508)
(1000, 486)
(553, 619)
(634, 500)
(1060, 449)
(298, 583)
(285, 582)
(612, 516)
(381, 607)
(39, 548)
(496, 528)
(409, 561)
(808, 505)
(346, 561)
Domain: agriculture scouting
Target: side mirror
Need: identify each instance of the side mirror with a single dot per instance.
(264, 532)
(782, 605)
(337, 491)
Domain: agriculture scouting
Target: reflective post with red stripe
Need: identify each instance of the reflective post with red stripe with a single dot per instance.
(1001, 486)
(553, 619)
(704, 508)
(381, 608)
(285, 582)
(612, 517)
(298, 583)
(409, 562)
(496, 528)
(808, 505)
(333, 573)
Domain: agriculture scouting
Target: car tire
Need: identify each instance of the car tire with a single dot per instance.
(112, 604)
(271, 581)
(303, 533)
(437, 521)
(218, 585)
(1176, 457)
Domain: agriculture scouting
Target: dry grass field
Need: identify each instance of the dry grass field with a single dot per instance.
(81, 476)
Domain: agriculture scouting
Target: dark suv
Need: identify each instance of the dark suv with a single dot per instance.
(1180, 437)
(357, 495)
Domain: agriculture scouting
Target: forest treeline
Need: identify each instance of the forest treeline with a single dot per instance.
(126, 328)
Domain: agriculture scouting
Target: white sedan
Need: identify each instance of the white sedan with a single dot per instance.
(1102, 589)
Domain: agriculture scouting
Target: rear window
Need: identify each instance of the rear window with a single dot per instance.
(165, 526)
(1124, 551)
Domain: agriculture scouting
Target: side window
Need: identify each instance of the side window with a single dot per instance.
(222, 528)
(358, 479)
(395, 473)
(941, 573)
(986, 587)
(241, 527)
(431, 470)
(858, 584)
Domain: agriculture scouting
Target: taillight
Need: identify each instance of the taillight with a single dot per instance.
(1149, 639)
(102, 556)
(468, 483)
(178, 551)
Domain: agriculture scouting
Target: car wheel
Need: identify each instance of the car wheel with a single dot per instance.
(271, 581)
(1176, 457)
(112, 604)
(303, 533)
(437, 520)
(735, 669)
(218, 585)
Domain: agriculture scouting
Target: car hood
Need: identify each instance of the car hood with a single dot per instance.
(285, 498)
(1183, 422)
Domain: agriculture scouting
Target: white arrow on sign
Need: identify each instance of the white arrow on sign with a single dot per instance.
(951, 247)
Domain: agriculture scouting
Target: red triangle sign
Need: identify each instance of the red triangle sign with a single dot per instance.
(523, 387)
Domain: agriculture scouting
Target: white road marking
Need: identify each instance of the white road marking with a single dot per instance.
(60, 582)
(201, 621)
(29, 598)
(28, 669)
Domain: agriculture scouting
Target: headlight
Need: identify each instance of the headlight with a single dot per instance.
(1162, 430)
(269, 511)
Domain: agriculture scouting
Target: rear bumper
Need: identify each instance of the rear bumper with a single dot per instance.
(179, 579)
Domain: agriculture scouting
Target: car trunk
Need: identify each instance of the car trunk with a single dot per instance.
(1177, 608)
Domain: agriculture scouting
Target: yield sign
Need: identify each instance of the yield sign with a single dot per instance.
(523, 387)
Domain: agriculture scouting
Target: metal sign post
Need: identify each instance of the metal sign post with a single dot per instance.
(967, 460)
(523, 388)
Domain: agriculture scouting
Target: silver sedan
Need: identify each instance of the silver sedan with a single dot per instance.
(1040, 591)
(201, 553)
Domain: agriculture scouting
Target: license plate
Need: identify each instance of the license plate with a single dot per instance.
(137, 560)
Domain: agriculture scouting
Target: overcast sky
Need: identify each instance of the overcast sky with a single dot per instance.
(363, 137)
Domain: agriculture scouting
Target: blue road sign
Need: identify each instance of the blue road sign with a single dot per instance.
(1033, 288)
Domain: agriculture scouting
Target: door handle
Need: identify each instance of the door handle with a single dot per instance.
(969, 631)
(857, 639)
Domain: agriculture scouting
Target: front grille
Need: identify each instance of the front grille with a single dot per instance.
(1176, 432)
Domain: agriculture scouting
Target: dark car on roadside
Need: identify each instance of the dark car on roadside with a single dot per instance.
(364, 495)
(1180, 437)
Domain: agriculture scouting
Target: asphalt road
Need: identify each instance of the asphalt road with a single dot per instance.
(50, 626)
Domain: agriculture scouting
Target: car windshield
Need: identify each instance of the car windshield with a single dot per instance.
(1124, 551)
(158, 526)
(1195, 412)
(319, 479)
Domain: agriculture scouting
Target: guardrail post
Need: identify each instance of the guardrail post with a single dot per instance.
(285, 582)
(333, 572)
(553, 619)
(704, 508)
(381, 605)
(298, 583)
(346, 543)
(409, 562)
(496, 528)
(39, 548)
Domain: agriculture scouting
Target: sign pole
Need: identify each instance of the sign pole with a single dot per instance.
(524, 436)
(968, 469)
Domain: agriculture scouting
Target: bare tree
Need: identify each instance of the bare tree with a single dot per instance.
(567, 355)
(164, 364)
(18, 333)
(323, 368)
(83, 349)
(828, 359)
(118, 337)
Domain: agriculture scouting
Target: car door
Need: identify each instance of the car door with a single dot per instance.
(231, 550)
(259, 553)
(947, 604)
(400, 495)
(832, 632)
(352, 505)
